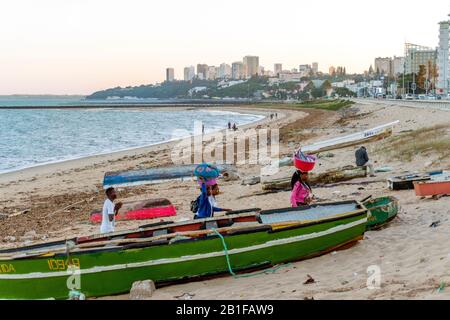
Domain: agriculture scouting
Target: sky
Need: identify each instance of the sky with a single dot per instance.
(82, 46)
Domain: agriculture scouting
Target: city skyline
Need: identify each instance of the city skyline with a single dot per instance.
(78, 47)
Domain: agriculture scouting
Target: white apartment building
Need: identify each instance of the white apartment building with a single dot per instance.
(398, 66)
(277, 69)
(315, 67)
(212, 73)
(189, 73)
(237, 70)
(443, 65)
(224, 71)
(383, 66)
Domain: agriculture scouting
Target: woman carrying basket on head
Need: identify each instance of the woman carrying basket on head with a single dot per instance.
(301, 194)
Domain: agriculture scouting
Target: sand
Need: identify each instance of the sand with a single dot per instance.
(413, 257)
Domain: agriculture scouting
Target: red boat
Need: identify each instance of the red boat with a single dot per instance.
(438, 185)
(140, 210)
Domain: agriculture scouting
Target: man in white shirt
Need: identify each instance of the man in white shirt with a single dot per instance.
(109, 211)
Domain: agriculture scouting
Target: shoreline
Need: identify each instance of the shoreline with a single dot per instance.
(83, 161)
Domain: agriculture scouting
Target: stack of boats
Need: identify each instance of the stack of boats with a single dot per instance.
(173, 251)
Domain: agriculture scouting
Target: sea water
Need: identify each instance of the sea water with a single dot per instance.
(38, 136)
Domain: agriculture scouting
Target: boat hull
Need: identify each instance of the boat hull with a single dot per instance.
(382, 211)
(432, 188)
(46, 277)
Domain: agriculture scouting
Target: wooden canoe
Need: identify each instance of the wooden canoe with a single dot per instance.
(157, 175)
(110, 264)
(381, 211)
(140, 210)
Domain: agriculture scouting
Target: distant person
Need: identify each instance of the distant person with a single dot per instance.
(234, 127)
(301, 194)
(229, 125)
(362, 159)
(203, 129)
(276, 115)
(271, 116)
(109, 211)
(205, 205)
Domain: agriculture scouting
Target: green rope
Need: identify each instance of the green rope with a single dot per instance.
(225, 249)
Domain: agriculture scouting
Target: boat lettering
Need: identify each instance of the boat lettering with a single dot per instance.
(7, 268)
(60, 264)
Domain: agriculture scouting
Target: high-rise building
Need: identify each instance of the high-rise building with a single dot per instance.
(315, 67)
(189, 73)
(277, 69)
(397, 66)
(443, 63)
(202, 71)
(170, 74)
(224, 71)
(304, 68)
(416, 56)
(237, 70)
(212, 73)
(383, 66)
(251, 66)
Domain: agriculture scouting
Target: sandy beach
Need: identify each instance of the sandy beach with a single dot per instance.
(54, 201)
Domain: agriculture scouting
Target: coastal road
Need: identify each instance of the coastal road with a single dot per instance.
(438, 105)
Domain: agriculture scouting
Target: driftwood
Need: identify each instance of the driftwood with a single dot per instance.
(333, 176)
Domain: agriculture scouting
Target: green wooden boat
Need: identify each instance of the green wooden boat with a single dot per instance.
(109, 264)
(382, 211)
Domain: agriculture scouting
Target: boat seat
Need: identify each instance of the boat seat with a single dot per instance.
(159, 232)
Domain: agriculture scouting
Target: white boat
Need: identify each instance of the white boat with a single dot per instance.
(357, 138)
(351, 139)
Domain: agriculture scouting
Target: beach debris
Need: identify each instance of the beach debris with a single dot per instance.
(361, 188)
(384, 169)
(185, 296)
(441, 287)
(435, 224)
(310, 299)
(9, 239)
(250, 181)
(142, 290)
(30, 235)
(76, 295)
(355, 274)
(345, 282)
(3, 216)
(309, 280)
(334, 253)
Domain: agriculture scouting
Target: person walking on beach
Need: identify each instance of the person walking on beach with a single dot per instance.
(301, 194)
(109, 211)
(206, 204)
(362, 159)
(203, 129)
(229, 125)
(234, 127)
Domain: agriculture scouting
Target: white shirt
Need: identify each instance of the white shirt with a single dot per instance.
(108, 209)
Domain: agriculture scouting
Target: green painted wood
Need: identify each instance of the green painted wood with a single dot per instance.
(382, 211)
(192, 260)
